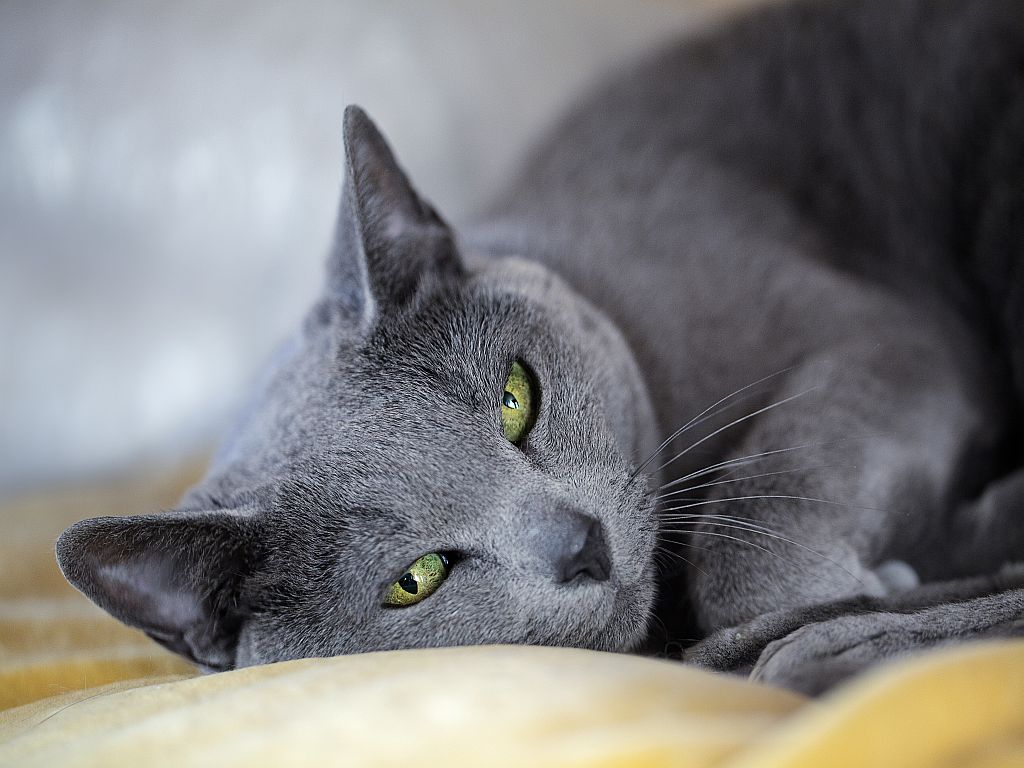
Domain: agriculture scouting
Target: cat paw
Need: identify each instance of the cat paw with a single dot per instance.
(737, 649)
(818, 656)
(811, 649)
(728, 650)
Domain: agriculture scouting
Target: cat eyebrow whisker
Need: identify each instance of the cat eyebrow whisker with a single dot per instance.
(700, 418)
(739, 479)
(742, 524)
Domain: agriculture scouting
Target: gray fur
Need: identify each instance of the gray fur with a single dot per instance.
(828, 192)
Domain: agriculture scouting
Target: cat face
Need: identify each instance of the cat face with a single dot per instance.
(444, 456)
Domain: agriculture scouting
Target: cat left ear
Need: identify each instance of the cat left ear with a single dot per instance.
(388, 240)
(177, 576)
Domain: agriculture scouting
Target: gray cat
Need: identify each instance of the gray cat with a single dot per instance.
(737, 357)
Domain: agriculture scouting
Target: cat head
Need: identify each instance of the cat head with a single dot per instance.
(444, 455)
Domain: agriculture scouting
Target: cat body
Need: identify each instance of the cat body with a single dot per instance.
(814, 188)
(766, 287)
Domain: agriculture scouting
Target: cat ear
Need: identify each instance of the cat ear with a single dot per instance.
(388, 239)
(176, 576)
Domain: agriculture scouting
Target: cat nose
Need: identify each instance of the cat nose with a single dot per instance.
(573, 545)
(586, 554)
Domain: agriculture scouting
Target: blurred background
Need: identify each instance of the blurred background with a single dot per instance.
(169, 174)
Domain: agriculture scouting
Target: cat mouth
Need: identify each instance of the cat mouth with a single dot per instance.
(618, 611)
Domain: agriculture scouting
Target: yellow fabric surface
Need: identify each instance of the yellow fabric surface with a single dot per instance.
(77, 688)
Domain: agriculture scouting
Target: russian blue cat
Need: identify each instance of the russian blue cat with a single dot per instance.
(737, 356)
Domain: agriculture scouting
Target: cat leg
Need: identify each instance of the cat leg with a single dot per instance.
(891, 426)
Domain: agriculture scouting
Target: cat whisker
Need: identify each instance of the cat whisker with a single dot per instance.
(741, 461)
(664, 551)
(739, 479)
(696, 515)
(733, 538)
(731, 471)
(760, 496)
(655, 618)
(662, 562)
(698, 418)
(735, 422)
(696, 423)
(683, 498)
(743, 525)
(731, 465)
(691, 546)
(751, 544)
(687, 525)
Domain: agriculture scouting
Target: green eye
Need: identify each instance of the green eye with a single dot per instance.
(419, 581)
(518, 404)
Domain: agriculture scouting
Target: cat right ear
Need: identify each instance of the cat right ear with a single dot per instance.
(388, 240)
(178, 576)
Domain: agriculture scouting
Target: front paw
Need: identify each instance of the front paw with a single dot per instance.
(737, 649)
(818, 656)
(811, 649)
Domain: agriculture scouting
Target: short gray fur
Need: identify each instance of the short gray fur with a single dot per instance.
(818, 207)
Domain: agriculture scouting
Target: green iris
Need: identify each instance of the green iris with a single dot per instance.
(518, 404)
(420, 580)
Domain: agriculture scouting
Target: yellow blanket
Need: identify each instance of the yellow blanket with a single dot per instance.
(77, 688)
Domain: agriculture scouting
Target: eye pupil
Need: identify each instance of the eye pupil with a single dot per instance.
(509, 401)
(409, 584)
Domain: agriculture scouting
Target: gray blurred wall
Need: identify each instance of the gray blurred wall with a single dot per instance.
(169, 174)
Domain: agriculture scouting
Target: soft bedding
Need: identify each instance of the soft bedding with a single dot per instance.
(77, 688)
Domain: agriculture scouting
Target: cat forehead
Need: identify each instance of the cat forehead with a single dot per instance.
(517, 275)
(473, 330)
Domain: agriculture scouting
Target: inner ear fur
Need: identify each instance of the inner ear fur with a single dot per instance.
(177, 576)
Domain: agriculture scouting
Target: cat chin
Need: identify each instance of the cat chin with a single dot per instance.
(627, 626)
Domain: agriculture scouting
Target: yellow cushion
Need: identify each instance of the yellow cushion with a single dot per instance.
(492, 705)
(501, 705)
